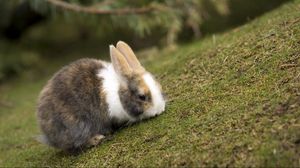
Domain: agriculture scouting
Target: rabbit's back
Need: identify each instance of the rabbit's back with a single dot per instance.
(71, 106)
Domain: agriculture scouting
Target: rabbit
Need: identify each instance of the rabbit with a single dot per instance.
(90, 99)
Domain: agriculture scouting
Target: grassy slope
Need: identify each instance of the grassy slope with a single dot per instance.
(233, 100)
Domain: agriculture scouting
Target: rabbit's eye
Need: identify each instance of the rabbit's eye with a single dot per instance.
(142, 97)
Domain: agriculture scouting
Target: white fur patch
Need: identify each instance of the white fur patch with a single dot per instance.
(111, 85)
(157, 98)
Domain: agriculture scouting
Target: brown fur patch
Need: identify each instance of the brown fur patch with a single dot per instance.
(72, 107)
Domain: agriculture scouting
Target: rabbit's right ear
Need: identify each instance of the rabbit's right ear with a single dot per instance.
(119, 62)
(128, 53)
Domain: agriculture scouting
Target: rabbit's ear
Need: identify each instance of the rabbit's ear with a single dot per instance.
(119, 62)
(130, 56)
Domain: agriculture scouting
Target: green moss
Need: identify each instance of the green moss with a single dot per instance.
(234, 100)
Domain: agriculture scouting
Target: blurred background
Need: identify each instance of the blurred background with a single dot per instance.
(37, 36)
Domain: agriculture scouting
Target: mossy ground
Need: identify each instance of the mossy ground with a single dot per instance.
(234, 100)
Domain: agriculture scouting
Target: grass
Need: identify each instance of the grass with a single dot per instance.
(234, 100)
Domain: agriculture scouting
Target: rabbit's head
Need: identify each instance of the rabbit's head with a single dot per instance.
(140, 94)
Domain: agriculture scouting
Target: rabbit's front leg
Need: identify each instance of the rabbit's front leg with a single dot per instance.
(95, 140)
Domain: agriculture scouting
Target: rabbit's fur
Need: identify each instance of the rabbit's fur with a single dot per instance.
(89, 98)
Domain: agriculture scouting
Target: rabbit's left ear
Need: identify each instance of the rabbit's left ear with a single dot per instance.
(130, 57)
(119, 62)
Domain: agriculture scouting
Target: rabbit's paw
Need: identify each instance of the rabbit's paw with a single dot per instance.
(95, 140)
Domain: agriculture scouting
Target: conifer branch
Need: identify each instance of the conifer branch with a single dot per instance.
(93, 10)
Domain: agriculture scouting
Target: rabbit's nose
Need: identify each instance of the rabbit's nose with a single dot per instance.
(137, 111)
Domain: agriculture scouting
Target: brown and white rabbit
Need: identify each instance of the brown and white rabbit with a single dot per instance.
(89, 99)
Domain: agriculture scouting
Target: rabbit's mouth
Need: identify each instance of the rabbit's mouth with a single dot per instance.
(136, 112)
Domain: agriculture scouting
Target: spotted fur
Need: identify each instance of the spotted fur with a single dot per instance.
(72, 106)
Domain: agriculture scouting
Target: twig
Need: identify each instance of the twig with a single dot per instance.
(285, 66)
(93, 10)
